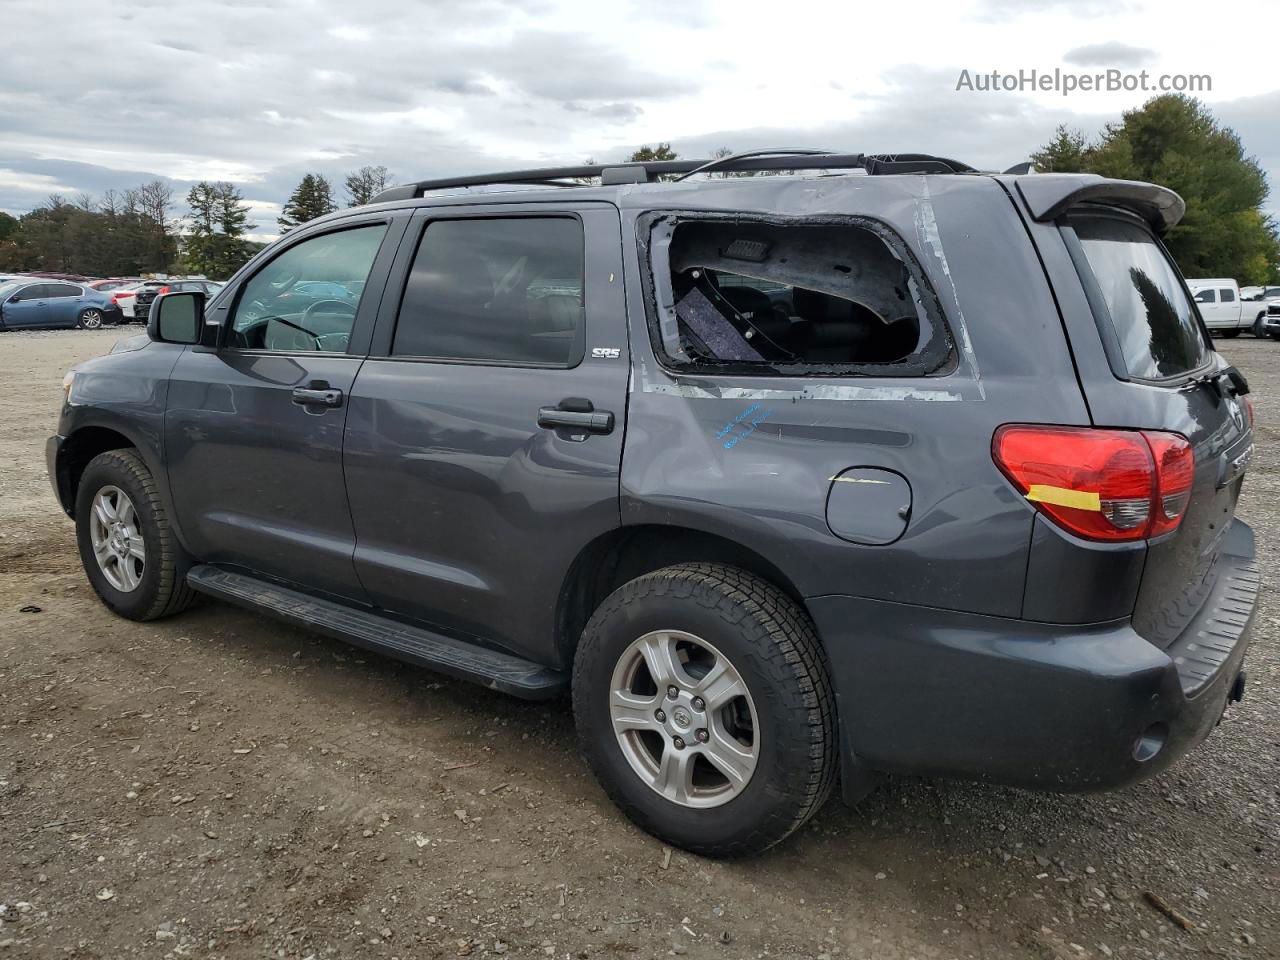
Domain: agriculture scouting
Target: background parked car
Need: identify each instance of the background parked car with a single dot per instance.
(148, 293)
(114, 283)
(29, 303)
(1255, 301)
(1219, 304)
(125, 297)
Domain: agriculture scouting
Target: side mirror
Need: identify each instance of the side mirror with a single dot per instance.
(176, 318)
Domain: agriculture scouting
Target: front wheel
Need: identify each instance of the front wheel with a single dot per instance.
(90, 319)
(128, 549)
(703, 704)
(1258, 330)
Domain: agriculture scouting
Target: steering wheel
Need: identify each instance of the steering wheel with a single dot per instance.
(342, 305)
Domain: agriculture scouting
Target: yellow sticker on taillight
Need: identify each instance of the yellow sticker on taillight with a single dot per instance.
(1063, 497)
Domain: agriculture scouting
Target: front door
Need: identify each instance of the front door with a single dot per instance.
(26, 308)
(253, 428)
(485, 431)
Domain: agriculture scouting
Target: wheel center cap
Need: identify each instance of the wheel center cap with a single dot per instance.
(681, 718)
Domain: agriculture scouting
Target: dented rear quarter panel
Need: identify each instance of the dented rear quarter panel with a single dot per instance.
(751, 459)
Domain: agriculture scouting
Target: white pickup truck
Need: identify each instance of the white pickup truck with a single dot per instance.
(1255, 301)
(1220, 305)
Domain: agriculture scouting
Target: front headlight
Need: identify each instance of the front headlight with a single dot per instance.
(68, 379)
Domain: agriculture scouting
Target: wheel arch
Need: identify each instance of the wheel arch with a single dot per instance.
(624, 553)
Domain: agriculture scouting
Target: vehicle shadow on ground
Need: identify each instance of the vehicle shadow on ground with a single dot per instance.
(955, 816)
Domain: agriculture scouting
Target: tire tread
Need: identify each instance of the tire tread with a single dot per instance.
(172, 594)
(788, 646)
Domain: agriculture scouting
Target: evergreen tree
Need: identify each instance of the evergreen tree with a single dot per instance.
(365, 184)
(313, 197)
(661, 151)
(1065, 153)
(1174, 140)
(218, 219)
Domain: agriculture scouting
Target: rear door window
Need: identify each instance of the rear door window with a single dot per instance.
(495, 290)
(1227, 295)
(1154, 320)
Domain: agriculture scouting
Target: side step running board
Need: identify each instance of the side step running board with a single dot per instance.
(457, 658)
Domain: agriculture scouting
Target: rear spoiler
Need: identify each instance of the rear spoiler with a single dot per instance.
(1049, 195)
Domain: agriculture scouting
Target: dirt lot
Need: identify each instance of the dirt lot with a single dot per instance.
(218, 785)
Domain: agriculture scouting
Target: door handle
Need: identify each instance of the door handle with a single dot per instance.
(575, 414)
(317, 394)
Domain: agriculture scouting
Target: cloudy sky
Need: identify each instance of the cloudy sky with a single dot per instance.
(97, 95)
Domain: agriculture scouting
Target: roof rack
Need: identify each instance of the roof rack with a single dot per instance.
(612, 174)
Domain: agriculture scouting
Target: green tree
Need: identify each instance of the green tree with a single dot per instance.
(1065, 153)
(311, 198)
(218, 220)
(661, 151)
(1174, 140)
(365, 184)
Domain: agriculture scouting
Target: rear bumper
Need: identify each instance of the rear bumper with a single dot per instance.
(1064, 708)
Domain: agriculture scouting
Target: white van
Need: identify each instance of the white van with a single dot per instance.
(1219, 303)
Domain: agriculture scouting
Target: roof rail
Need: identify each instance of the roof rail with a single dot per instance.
(647, 171)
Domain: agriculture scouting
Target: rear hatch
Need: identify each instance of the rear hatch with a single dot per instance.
(1157, 370)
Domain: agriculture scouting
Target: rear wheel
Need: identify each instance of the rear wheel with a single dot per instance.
(128, 550)
(703, 705)
(90, 319)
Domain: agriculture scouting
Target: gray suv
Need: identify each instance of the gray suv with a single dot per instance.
(879, 465)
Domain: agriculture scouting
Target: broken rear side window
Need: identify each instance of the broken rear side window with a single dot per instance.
(792, 298)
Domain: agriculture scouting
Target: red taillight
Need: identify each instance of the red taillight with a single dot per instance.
(117, 297)
(164, 289)
(1099, 484)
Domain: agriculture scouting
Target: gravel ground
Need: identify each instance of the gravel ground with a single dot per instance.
(218, 785)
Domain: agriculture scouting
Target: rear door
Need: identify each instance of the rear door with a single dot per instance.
(64, 302)
(485, 430)
(1146, 362)
(253, 427)
(1228, 307)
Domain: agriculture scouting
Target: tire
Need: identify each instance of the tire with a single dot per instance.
(1231, 334)
(1275, 334)
(1257, 329)
(769, 644)
(161, 588)
(91, 319)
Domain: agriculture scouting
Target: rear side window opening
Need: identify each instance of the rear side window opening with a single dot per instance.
(755, 296)
(1138, 293)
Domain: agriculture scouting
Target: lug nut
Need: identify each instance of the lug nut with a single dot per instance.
(703, 736)
(679, 742)
(660, 716)
(673, 692)
(699, 703)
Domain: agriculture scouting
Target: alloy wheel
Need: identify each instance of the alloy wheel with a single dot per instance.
(684, 719)
(117, 541)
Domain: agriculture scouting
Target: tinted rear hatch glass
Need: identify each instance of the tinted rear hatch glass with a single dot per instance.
(1164, 379)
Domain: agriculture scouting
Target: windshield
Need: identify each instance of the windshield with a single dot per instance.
(1159, 332)
(8, 287)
